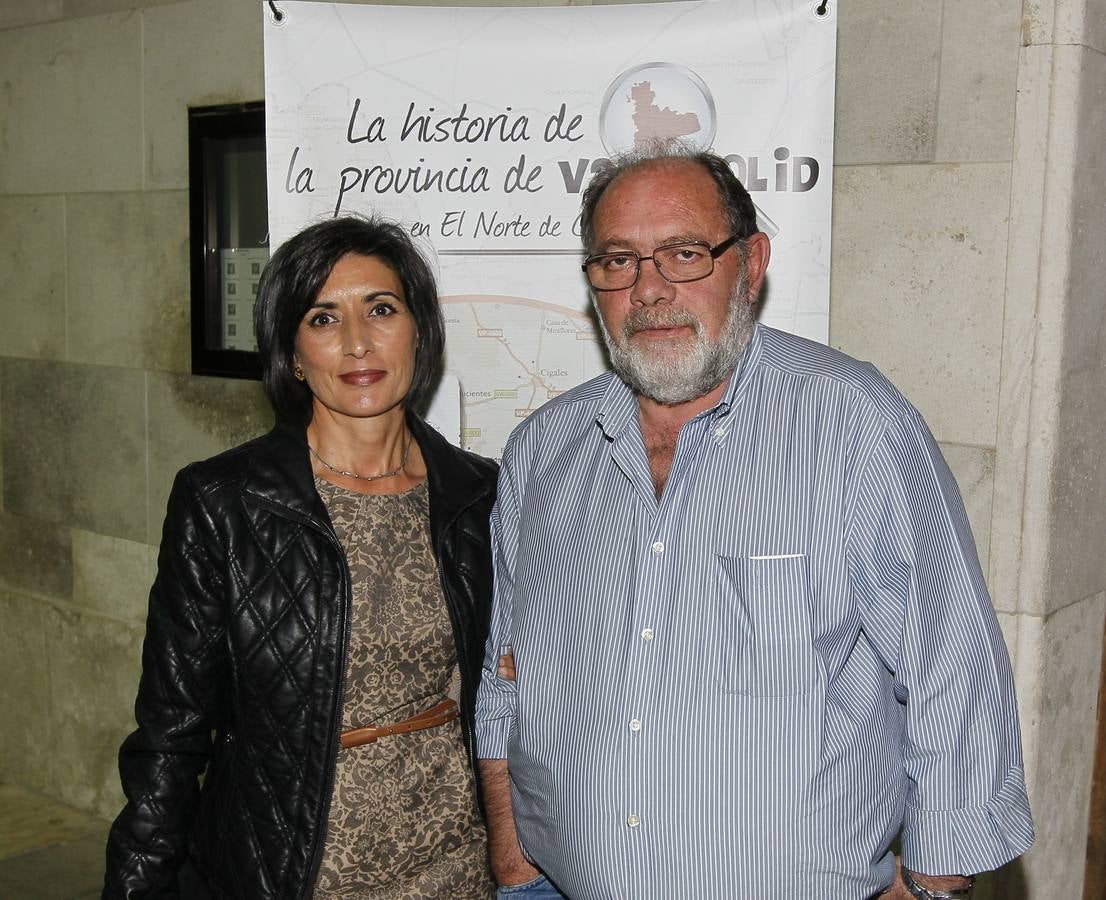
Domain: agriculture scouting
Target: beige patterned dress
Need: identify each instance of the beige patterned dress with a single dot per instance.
(403, 819)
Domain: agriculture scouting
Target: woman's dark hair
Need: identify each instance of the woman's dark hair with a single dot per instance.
(291, 283)
(739, 207)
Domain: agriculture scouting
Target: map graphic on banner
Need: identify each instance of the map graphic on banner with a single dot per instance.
(479, 127)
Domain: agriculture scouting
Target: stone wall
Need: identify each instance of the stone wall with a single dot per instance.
(968, 234)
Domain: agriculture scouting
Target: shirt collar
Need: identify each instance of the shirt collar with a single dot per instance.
(618, 405)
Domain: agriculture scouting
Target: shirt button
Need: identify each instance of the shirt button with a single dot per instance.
(633, 821)
(635, 724)
(719, 432)
(658, 547)
(647, 634)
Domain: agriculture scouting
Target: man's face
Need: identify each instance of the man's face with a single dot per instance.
(674, 342)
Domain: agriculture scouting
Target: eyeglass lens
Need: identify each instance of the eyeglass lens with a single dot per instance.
(677, 263)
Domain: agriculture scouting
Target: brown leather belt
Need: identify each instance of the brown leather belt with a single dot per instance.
(446, 711)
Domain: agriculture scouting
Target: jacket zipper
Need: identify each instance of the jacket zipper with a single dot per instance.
(458, 639)
(308, 886)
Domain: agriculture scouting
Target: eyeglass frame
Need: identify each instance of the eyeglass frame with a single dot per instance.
(716, 251)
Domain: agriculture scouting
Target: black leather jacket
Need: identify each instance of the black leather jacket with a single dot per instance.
(243, 661)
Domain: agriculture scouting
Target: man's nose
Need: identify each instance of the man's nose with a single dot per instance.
(651, 287)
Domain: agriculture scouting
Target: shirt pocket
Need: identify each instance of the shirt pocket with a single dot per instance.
(766, 626)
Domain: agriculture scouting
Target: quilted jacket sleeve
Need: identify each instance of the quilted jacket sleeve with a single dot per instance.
(184, 671)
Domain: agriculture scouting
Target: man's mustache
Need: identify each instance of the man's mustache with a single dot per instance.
(643, 319)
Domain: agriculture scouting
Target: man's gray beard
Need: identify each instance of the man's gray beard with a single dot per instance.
(675, 375)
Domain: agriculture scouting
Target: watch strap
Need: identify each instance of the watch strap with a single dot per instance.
(924, 893)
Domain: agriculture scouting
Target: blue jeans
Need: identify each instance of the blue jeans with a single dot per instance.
(539, 887)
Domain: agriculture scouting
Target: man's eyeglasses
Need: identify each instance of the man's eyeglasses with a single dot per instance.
(677, 263)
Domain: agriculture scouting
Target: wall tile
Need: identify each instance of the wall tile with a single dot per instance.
(1078, 490)
(15, 13)
(974, 469)
(887, 68)
(229, 70)
(32, 277)
(975, 118)
(70, 111)
(128, 280)
(193, 418)
(1071, 653)
(35, 557)
(112, 576)
(94, 668)
(917, 285)
(74, 446)
(24, 693)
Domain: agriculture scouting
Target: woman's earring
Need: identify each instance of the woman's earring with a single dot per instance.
(297, 370)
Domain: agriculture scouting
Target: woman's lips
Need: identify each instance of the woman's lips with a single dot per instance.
(362, 377)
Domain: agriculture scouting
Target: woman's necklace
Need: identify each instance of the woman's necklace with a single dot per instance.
(395, 471)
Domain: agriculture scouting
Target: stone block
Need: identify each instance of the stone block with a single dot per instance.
(74, 8)
(71, 108)
(25, 693)
(128, 268)
(74, 445)
(16, 13)
(193, 418)
(974, 468)
(113, 576)
(175, 76)
(917, 285)
(1008, 622)
(94, 668)
(980, 42)
(1030, 354)
(1077, 565)
(1081, 22)
(35, 557)
(1064, 722)
(887, 74)
(32, 277)
(1038, 22)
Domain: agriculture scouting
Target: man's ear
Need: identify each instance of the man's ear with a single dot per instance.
(758, 250)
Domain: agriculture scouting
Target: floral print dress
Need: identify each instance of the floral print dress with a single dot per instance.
(404, 823)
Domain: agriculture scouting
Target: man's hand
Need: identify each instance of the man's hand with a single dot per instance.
(899, 890)
(506, 667)
(509, 866)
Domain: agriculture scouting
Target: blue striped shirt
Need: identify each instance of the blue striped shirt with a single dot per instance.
(748, 688)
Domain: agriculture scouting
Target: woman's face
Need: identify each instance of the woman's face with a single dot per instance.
(356, 344)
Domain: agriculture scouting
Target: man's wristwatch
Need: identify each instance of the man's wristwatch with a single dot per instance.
(924, 893)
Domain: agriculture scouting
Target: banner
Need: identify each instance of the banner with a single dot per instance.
(478, 128)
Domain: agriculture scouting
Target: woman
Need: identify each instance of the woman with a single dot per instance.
(321, 601)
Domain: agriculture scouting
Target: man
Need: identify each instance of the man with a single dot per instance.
(752, 640)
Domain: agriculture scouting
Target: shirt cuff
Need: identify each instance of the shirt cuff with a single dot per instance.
(491, 738)
(970, 840)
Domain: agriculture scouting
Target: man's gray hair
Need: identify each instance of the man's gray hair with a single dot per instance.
(735, 199)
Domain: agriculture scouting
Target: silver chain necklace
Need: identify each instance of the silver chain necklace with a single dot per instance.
(395, 471)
